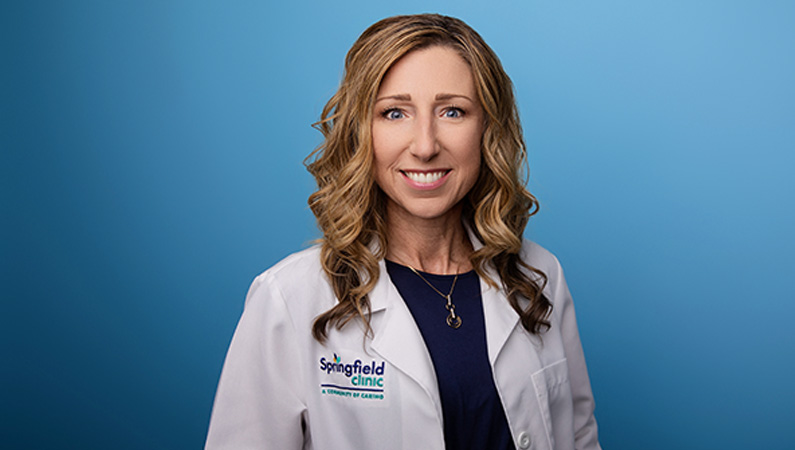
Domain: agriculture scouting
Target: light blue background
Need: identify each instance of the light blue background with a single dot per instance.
(152, 166)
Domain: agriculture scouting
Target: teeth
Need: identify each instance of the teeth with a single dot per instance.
(425, 178)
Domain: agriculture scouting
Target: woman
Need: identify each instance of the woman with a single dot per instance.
(422, 320)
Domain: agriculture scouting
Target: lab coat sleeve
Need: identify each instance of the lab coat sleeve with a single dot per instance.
(258, 403)
(585, 433)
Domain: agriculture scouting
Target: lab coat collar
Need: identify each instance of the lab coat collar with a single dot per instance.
(499, 316)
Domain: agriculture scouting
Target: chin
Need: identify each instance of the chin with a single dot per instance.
(431, 210)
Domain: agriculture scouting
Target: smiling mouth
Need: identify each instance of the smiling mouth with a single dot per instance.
(425, 177)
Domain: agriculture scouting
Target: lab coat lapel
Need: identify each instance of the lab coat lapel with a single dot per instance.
(503, 328)
(499, 317)
(512, 360)
(502, 321)
(397, 338)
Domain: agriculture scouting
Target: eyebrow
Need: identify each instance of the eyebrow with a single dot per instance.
(450, 96)
(398, 97)
(407, 97)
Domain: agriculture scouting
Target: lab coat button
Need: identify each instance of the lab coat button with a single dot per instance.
(524, 440)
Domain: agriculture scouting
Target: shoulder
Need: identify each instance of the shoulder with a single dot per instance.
(543, 260)
(298, 280)
(294, 267)
(539, 258)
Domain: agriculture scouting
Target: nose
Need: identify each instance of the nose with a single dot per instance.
(425, 145)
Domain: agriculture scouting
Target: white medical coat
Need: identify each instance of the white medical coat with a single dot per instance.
(281, 389)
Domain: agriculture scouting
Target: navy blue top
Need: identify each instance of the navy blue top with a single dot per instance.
(472, 411)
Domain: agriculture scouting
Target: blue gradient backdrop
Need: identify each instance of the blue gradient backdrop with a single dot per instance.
(152, 166)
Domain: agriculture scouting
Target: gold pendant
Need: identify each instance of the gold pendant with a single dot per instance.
(453, 321)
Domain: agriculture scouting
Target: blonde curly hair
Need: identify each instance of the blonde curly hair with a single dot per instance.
(351, 209)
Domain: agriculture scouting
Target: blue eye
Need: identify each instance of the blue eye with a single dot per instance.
(393, 114)
(454, 113)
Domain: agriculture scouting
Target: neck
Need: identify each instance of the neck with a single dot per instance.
(439, 245)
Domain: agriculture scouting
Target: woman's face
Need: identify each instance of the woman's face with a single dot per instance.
(427, 129)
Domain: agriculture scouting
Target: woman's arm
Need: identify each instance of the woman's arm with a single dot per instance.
(585, 433)
(258, 403)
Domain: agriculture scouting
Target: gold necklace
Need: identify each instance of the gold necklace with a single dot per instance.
(453, 321)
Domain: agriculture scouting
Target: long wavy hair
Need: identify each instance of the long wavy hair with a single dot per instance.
(351, 209)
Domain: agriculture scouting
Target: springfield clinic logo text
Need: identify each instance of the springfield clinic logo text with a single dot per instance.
(364, 380)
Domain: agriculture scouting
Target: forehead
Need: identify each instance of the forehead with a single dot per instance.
(437, 69)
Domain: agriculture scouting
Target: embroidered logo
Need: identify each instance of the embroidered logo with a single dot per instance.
(359, 379)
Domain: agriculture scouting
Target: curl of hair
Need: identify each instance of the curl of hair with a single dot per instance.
(350, 208)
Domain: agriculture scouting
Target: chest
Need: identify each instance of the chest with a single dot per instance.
(382, 392)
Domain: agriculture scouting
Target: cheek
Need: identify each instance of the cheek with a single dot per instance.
(383, 157)
(473, 166)
(472, 160)
(470, 145)
(383, 145)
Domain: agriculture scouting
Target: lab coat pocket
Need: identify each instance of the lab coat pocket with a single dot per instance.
(554, 395)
